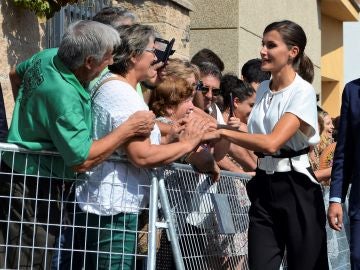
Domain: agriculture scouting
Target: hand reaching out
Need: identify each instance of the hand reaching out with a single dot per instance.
(141, 123)
(194, 131)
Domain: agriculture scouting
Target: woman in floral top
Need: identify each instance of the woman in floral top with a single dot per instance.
(326, 129)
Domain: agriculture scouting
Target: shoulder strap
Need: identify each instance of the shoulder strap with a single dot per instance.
(102, 83)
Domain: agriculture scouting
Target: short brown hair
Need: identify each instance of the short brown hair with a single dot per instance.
(170, 92)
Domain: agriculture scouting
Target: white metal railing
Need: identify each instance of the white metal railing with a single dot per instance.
(202, 225)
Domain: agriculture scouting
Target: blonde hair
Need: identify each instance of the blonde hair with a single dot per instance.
(181, 68)
(321, 120)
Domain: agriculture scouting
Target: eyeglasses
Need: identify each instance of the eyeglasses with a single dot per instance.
(205, 89)
(150, 50)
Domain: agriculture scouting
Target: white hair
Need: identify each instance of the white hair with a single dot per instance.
(87, 38)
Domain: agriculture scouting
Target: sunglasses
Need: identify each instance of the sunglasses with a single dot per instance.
(205, 89)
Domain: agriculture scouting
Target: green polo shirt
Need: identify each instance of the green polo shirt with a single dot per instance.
(52, 112)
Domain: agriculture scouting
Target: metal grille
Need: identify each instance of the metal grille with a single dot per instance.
(36, 208)
(205, 222)
(84, 10)
(211, 218)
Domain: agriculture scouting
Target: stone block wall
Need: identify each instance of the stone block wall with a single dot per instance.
(169, 17)
(21, 35)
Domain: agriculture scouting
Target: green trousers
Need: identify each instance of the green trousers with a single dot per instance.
(110, 240)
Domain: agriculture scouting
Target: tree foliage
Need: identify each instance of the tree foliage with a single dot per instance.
(43, 8)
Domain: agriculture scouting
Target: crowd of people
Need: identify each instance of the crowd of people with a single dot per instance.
(104, 91)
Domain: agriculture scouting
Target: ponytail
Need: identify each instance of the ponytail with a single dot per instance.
(306, 68)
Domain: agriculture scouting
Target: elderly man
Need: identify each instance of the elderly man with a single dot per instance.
(52, 112)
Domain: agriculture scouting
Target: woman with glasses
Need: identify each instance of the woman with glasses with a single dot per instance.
(287, 210)
(114, 192)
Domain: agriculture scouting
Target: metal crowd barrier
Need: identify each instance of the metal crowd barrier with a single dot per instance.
(36, 209)
(190, 222)
(210, 218)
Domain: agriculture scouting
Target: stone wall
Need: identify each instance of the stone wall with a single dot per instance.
(170, 18)
(215, 26)
(21, 35)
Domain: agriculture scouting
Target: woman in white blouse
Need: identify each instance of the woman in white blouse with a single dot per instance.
(115, 192)
(287, 210)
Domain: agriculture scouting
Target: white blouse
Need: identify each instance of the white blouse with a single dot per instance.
(298, 98)
(112, 186)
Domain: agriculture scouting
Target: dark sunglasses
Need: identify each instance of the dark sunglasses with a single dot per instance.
(205, 89)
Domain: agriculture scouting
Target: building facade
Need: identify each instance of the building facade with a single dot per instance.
(234, 29)
(334, 13)
(231, 28)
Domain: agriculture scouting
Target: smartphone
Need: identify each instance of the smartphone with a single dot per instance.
(231, 112)
(163, 49)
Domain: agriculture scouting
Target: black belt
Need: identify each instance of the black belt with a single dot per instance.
(285, 153)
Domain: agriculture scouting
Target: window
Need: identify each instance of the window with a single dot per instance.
(84, 10)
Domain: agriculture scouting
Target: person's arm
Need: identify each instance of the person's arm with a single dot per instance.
(204, 162)
(244, 157)
(146, 155)
(285, 128)
(139, 124)
(341, 168)
(200, 113)
(323, 175)
(221, 148)
(226, 164)
(170, 132)
(15, 81)
(165, 129)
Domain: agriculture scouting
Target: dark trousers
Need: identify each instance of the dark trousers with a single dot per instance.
(26, 210)
(355, 243)
(287, 211)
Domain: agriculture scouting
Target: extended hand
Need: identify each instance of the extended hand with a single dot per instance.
(141, 123)
(200, 114)
(194, 131)
(174, 132)
(212, 137)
